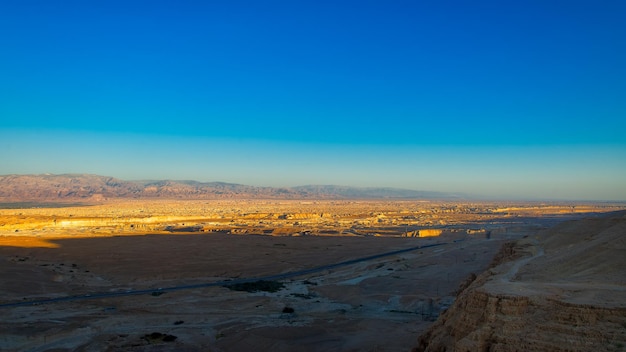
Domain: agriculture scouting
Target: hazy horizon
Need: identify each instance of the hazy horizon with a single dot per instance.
(500, 100)
(459, 195)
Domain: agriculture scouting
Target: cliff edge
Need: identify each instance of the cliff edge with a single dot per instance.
(563, 289)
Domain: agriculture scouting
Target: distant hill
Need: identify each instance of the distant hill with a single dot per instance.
(71, 187)
(375, 192)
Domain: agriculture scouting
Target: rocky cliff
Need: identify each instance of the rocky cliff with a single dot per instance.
(561, 290)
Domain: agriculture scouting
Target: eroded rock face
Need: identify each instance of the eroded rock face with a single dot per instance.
(503, 311)
(480, 321)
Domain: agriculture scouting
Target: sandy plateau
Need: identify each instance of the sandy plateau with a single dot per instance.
(146, 251)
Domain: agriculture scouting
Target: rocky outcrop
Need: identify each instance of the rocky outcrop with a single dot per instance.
(430, 232)
(481, 321)
(522, 304)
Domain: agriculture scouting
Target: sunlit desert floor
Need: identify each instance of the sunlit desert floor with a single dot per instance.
(382, 304)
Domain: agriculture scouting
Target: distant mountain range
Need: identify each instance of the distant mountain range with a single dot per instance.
(72, 187)
(374, 192)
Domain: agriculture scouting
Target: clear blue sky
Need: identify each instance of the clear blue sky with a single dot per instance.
(506, 99)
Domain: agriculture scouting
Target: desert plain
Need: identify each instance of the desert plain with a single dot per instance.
(183, 275)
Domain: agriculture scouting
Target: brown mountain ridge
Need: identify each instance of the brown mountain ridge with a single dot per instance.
(86, 187)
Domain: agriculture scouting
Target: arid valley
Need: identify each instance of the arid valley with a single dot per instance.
(344, 176)
(280, 275)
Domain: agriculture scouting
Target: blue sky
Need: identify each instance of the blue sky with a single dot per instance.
(500, 99)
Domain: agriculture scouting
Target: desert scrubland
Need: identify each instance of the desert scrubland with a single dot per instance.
(148, 248)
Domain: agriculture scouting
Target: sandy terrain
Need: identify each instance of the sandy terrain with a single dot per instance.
(376, 305)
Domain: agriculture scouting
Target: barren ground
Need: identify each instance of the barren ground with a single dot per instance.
(377, 305)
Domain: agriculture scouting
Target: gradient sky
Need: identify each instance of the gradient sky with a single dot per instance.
(523, 100)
